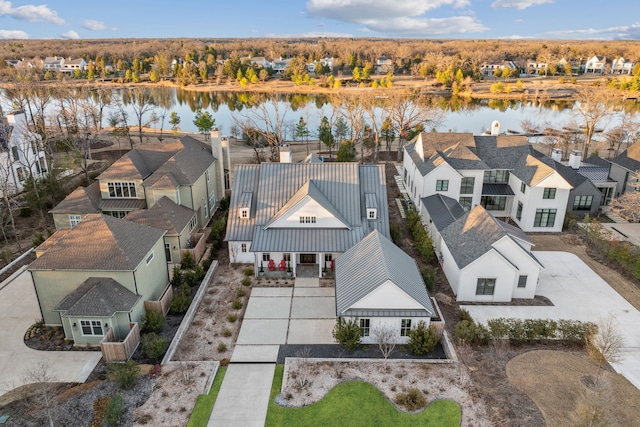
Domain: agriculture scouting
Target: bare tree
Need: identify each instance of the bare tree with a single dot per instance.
(44, 382)
(595, 106)
(605, 344)
(141, 102)
(385, 336)
(627, 206)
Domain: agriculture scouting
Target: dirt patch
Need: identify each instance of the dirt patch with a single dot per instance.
(306, 381)
(606, 269)
(557, 381)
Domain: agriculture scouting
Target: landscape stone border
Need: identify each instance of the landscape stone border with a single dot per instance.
(191, 312)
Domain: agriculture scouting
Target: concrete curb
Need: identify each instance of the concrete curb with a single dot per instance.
(188, 318)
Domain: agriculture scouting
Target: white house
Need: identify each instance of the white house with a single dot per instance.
(596, 64)
(487, 260)
(536, 68)
(303, 215)
(438, 212)
(621, 66)
(380, 285)
(489, 68)
(71, 65)
(497, 172)
(53, 63)
(21, 154)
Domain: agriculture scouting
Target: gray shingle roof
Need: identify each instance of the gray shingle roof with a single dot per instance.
(187, 164)
(140, 162)
(82, 200)
(165, 215)
(443, 210)
(597, 161)
(340, 187)
(101, 243)
(629, 158)
(98, 297)
(531, 170)
(472, 235)
(371, 263)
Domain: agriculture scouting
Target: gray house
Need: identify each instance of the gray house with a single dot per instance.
(624, 169)
(380, 285)
(303, 215)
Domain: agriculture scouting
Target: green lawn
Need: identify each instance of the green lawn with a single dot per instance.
(354, 404)
(204, 404)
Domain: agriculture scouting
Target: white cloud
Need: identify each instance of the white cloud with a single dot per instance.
(404, 17)
(72, 35)
(30, 13)
(516, 37)
(13, 34)
(94, 25)
(626, 32)
(517, 4)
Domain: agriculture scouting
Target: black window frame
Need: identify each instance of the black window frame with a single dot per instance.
(442, 185)
(467, 184)
(549, 193)
(484, 285)
(494, 203)
(549, 215)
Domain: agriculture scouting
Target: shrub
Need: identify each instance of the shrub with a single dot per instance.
(232, 317)
(422, 340)
(177, 276)
(199, 272)
(464, 315)
(124, 374)
(347, 333)
(224, 203)
(470, 332)
(248, 272)
(574, 331)
(412, 400)
(187, 260)
(226, 332)
(190, 278)
(394, 231)
(429, 277)
(181, 300)
(154, 346)
(236, 304)
(114, 410)
(152, 321)
(37, 240)
(222, 347)
(240, 293)
(246, 281)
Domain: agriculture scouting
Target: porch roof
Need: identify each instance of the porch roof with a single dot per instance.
(98, 297)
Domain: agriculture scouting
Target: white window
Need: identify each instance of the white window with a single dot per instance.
(149, 258)
(193, 223)
(405, 327)
(212, 202)
(206, 173)
(91, 328)
(244, 213)
(243, 247)
(307, 220)
(364, 327)
(122, 189)
(74, 220)
(371, 213)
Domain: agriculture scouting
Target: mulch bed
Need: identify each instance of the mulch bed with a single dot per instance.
(364, 351)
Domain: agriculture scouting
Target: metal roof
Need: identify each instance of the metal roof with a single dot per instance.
(99, 242)
(122, 204)
(371, 263)
(443, 210)
(370, 201)
(340, 187)
(99, 297)
(497, 190)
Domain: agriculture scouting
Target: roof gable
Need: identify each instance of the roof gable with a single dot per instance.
(442, 210)
(82, 200)
(98, 296)
(387, 296)
(165, 214)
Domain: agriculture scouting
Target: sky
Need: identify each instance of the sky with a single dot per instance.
(467, 19)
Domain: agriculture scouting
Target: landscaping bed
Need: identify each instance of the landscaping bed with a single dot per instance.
(363, 351)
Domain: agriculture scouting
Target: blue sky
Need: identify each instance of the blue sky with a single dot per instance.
(486, 19)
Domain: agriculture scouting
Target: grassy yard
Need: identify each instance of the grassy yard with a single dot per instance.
(353, 404)
(204, 404)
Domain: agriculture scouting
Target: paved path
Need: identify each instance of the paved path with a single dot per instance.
(578, 293)
(304, 314)
(18, 310)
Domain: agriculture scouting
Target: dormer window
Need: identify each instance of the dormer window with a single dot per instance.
(372, 213)
(371, 205)
(244, 213)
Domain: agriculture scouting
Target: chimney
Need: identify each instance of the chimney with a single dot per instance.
(495, 128)
(285, 154)
(219, 153)
(574, 159)
(556, 154)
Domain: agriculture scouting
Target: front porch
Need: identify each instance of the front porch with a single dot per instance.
(291, 264)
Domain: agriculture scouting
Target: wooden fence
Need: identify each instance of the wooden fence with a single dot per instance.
(163, 304)
(114, 351)
(198, 250)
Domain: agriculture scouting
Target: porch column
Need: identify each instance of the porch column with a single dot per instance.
(320, 263)
(294, 262)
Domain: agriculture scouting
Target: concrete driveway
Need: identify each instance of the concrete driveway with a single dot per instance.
(577, 293)
(19, 310)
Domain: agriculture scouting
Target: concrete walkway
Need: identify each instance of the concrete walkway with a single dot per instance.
(577, 293)
(304, 314)
(19, 310)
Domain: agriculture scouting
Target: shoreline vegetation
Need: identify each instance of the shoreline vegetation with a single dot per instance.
(525, 88)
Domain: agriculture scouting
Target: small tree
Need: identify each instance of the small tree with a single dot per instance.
(125, 374)
(422, 340)
(204, 122)
(385, 336)
(347, 333)
(45, 387)
(604, 345)
(174, 121)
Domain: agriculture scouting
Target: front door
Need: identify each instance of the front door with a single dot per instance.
(307, 258)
